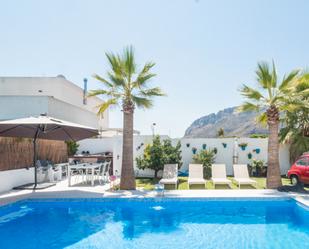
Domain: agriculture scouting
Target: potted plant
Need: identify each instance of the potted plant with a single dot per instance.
(243, 146)
(224, 145)
(257, 150)
(215, 150)
(257, 165)
(207, 158)
(249, 155)
(188, 145)
(204, 146)
(194, 150)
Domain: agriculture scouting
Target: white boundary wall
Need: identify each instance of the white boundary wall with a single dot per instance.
(13, 178)
(224, 155)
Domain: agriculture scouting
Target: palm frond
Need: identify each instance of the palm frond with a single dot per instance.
(145, 75)
(274, 76)
(251, 93)
(123, 83)
(248, 107)
(117, 80)
(129, 62)
(142, 102)
(263, 75)
(288, 79)
(115, 63)
(143, 79)
(156, 91)
(104, 81)
(262, 119)
(98, 92)
(103, 107)
(286, 134)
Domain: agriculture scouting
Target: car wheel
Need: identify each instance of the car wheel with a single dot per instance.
(294, 180)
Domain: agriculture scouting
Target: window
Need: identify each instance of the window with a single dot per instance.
(303, 161)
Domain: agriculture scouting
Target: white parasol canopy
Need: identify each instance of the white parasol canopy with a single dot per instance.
(45, 127)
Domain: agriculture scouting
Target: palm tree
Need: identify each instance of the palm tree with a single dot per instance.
(296, 123)
(270, 99)
(127, 87)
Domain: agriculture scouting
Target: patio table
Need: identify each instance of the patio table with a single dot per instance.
(85, 166)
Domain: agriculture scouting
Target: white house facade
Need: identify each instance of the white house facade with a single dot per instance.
(54, 96)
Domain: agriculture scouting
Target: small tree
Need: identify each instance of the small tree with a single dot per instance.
(207, 158)
(172, 154)
(159, 153)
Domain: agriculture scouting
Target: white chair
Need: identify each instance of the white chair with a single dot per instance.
(241, 175)
(196, 175)
(218, 172)
(54, 173)
(99, 173)
(106, 171)
(170, 174)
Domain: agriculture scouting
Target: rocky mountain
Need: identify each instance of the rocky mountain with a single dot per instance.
(233, 123)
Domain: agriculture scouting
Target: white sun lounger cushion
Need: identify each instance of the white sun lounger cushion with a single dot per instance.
(218, 172)
(196, 174)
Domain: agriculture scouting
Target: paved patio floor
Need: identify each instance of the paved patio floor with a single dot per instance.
(61, 190)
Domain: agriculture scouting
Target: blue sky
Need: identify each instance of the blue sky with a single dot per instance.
(204, 50)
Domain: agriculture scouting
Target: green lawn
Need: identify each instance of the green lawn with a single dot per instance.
(148, 184)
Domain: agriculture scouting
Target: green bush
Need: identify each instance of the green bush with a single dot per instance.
(207, 158)
(159, 153)
(258, 136)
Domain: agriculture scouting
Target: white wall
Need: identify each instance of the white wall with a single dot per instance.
(65, 111)
(94, 145)
(56, 87)
(25, 106)
(224, 155)
(13, 178)
(22, 106)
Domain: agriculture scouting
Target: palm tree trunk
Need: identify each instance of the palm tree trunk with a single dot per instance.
(127, 181)
(273, 168)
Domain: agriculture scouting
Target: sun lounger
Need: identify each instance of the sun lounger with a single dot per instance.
(218, 172)
(196, 174)
(170, 174)
(241, 175)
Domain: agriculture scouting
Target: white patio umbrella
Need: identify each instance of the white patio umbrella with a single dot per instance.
(44, 127)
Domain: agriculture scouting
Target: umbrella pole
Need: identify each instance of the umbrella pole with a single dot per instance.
(35, 158)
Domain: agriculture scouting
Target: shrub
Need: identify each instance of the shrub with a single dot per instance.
(207, 158)
(258, 136)
(72, 147)
(256, 166)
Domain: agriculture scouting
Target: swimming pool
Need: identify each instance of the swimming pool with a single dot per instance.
(154, 223)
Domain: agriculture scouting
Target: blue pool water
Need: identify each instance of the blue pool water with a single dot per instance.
(154, 223)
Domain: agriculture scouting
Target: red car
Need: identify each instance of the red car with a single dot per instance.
(299, 172)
